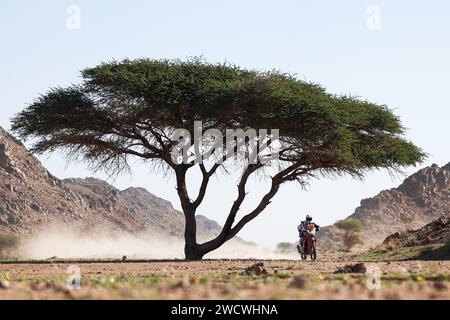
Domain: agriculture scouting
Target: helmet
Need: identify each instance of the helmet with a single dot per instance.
(308, 218)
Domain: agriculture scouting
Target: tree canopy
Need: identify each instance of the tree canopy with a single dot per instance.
(130, 108)
(349, 224)
(352, 228)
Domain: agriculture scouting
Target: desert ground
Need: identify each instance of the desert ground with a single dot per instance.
(226, 279)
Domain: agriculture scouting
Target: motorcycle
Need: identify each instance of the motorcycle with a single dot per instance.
(308, 246)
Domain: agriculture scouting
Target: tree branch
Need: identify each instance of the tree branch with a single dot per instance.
(204, 184)
(180, 172)
(241, 196)
(228, 231)
(288, 174)
(222, 237)
(261, 206)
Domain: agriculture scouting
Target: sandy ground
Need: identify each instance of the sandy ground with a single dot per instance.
(224, 279)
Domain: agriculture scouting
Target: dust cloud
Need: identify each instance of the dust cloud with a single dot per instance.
(68, 244)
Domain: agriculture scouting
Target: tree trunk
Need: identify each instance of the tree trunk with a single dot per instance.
(195, 251)
(192, 249)
(192, 252)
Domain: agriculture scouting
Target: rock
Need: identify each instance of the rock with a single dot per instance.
(420, 199)
(35, 207)
(440, 285)
(256, 269)
(355, 268)
(4, 157)
(392, 238)
(298, 282)
(435, 232)
(4, 284)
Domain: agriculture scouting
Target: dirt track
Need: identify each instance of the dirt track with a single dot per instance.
(226, 279)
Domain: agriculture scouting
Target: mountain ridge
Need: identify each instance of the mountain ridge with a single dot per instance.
(421, 198)
(32, 199)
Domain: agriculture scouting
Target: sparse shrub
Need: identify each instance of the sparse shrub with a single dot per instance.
(281, 275)
(390, 246)
(108, 282)
(224, 277)
(204, 279)
(352, 229)
(152, 280)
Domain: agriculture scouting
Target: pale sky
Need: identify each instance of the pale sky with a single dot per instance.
(394, 53)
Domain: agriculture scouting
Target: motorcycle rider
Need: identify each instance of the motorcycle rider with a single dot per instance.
(302, 229)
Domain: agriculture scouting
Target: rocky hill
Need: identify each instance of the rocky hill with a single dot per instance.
(32, 199)
(435, 232)
(420, 199)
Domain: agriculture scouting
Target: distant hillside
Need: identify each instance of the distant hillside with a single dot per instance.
(420, 199)
(32, 199)
(435, 232)
(430, 242)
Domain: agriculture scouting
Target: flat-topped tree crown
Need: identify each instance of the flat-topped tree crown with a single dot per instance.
(132, 107)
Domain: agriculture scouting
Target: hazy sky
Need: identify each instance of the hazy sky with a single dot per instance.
(391, 52)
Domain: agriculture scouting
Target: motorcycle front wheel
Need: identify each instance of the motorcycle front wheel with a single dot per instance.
(313, 252)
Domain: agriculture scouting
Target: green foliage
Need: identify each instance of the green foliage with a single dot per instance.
(109, 282)
(349, 224)
(401, 253)
(98, 119)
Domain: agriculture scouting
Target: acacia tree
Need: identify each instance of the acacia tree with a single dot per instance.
(351, 236)
(132, 107)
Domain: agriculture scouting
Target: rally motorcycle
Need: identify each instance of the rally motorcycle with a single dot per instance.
(307, 247)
